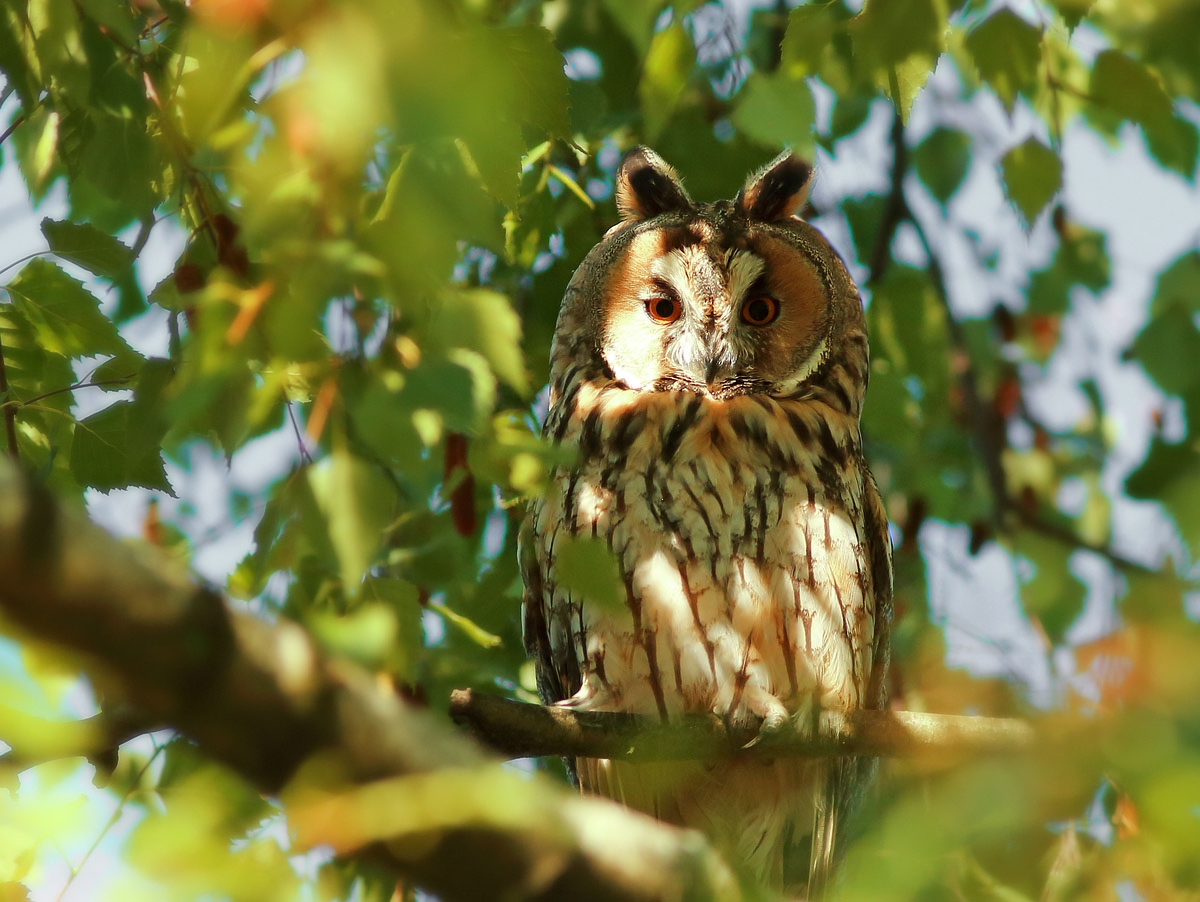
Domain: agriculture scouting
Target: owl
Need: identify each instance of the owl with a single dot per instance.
(707, 375)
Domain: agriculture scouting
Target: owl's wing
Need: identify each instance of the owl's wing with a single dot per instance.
(557, 671)
(841, 790)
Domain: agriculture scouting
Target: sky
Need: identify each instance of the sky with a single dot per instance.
(1149, 216)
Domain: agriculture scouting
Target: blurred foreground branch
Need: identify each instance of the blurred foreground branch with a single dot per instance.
(357, 768)
(521, 730)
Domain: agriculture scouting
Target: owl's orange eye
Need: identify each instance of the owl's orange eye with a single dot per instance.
(758, 311)
(663, 310)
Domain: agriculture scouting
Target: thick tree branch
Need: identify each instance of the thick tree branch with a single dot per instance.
(262, 699)
(520, 730)
(96, 738)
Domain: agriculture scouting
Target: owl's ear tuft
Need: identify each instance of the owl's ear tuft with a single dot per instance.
(778, 190)
(647, 186)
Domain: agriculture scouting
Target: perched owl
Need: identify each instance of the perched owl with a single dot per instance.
(708, 370)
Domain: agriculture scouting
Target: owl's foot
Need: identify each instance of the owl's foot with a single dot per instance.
(804, 723)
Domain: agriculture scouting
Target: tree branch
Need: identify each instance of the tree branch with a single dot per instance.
(895, 209)
(520, 730)
(263, 700)
(10, 410)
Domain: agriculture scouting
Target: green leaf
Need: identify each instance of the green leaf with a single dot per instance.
(1081, 259)
(809, 35)
(587, 569)
(1175, 143)
(1072, 11)
(1053, 594)
(1168, 348)
(669, 63)
(536, 66)
(1170, 475)
(1129, 89)
(64, 314)
(358, 503)
(482, 321)
(942, 160)
(899, 41)
(776, 111)
(1178, 285)
(864, 215)
(110, 450)
(85, 245)
(1032, 175)
(888, 32)
(1007, 51)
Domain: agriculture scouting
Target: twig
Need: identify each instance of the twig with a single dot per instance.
(99, 383)
(108, 825)
(520, 730)
(12, 127)
(10, 410)
(1034, 523)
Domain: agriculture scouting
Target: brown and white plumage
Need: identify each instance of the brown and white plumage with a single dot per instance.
(709, 366)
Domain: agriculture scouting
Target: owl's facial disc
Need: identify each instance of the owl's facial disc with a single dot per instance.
(711, 319)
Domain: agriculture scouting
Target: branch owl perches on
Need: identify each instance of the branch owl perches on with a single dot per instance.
(709, 366)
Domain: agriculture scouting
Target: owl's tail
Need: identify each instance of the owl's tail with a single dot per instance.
(827, 805)
(755, 812)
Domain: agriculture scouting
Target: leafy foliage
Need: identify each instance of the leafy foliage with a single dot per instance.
(376, 207)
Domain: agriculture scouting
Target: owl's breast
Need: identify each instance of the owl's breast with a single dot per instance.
(742, 553)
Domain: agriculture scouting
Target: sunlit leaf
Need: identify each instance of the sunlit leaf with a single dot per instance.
(1007, 52)
(776, 111)
(357, 502)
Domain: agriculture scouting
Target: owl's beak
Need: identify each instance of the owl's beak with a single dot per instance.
(713, 372)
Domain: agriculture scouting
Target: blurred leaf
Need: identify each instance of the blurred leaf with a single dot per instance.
(776, 111)
(1007, 51)
(1128, 88)
(357, 501)
(1081, 259)
(1170, 475)
(1053, 594)
(482, 321)
(1178, 286)
(585, 567)
(942, 160)
(1032, 176)
(668, 65)
(900, 41)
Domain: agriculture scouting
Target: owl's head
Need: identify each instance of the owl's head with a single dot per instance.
(724, 299)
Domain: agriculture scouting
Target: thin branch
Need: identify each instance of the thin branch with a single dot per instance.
(99, 383)
(895, 210)
(12, 127)
(10, 410)
(520, 730)
(116, 816)
(1065, 536)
